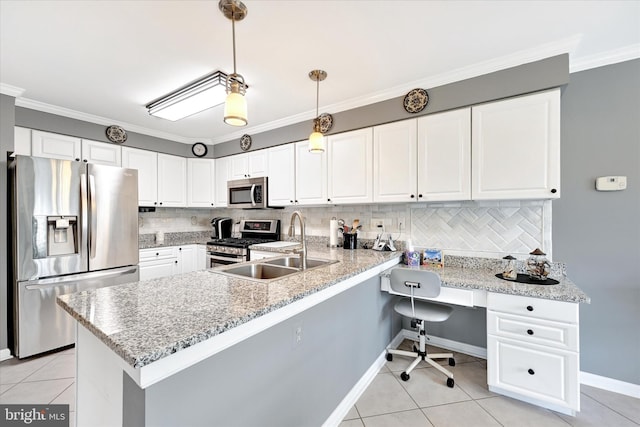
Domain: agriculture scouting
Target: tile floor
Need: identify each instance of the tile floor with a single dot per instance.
(423, 401)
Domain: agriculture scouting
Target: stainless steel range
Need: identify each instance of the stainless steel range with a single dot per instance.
(232, 250)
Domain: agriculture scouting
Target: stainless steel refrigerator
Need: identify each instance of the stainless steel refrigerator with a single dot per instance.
(74, 227)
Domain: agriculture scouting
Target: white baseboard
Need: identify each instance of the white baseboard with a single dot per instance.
(610, 384)
(5, 354)
(352, 397)
(447, 344)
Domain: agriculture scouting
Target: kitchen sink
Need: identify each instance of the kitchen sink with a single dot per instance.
(294, 261)
(271, 269)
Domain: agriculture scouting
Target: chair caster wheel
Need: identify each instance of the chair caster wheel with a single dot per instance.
(405, 377)
(452, 362)
(450, 382)
(389, 357)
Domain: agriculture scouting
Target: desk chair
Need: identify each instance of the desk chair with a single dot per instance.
(412, 285)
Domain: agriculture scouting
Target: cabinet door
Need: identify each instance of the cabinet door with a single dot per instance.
(394, 162)
(187, 258)
(222, 176)
(200, 182)
(258, 164)
(201, 257)
(54, 146)
(444, 156)
(21, 141)
(350, 167)
(101, 153)
(311, 176)
(146, 162)
(239, 166)
(172, 181)
(516, 148)
(281, 166)
(157, 269)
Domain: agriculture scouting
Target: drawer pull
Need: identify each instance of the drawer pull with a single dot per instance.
(529, 308)
(529, 331)
(157, 254)
(531, 372)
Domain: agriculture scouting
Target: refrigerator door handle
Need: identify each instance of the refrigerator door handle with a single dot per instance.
(57, 281)
(93, 220)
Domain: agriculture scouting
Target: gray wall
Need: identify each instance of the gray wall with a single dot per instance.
(268, 380)
(598, 233)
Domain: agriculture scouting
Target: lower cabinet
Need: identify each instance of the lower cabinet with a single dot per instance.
(533, 350)
(170, 260)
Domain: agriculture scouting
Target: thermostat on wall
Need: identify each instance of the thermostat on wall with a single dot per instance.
(611, 183)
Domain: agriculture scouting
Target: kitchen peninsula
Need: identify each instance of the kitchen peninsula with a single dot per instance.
(194, 349)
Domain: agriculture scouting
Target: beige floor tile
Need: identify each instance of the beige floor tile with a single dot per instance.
(595, 414)
(40, 392)
(514, 413)
(472, 377)
(353, 413)
(460, 414)
(63, 366)
(384, 395)
(67, 397)
(15, 370)
(352, 423)
(624, 405)
(428, 388)
(415, 418)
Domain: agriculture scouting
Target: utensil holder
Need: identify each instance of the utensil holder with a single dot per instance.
(350, 241)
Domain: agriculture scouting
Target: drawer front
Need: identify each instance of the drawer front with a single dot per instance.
(558, 311)
(157, 253)
(533, 371)
(534, 331)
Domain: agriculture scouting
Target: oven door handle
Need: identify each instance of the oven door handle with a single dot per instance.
(231, 258)
(253, 189)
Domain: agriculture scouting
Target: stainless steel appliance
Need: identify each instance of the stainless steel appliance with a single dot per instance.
(250, 193)
(74, 227)
(221, 227)
(233, 250)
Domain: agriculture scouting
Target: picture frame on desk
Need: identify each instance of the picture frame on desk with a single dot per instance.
(433, 258)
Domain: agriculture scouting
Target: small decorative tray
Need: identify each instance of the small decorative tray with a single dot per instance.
(524, 278)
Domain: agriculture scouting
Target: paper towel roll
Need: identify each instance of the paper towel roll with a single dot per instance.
(333, 232)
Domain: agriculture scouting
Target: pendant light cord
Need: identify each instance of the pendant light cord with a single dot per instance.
(233, 36)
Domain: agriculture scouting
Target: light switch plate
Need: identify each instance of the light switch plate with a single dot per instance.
(611, 183)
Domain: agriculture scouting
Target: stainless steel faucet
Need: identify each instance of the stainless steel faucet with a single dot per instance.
(292, 232)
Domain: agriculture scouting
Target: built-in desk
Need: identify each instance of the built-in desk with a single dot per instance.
(532, 332)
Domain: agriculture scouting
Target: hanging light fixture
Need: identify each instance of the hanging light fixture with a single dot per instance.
(235, 107)
(316, 139)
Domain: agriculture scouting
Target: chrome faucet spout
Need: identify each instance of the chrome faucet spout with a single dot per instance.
(303, 237)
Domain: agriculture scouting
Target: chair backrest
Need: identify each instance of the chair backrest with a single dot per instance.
(402, 279)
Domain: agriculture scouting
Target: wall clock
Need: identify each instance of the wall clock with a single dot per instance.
(199, 149)
(245, 142)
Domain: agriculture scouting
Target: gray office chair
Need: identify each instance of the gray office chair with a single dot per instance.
(413, 284)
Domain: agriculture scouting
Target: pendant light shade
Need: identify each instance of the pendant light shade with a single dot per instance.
(316, 139)
(235, 106)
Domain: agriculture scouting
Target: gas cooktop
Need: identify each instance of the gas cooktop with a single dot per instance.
(242, 242)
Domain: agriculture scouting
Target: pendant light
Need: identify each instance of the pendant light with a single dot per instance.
(235, 106)
(316, 139)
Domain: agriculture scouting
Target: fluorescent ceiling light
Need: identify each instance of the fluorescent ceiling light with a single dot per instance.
(198, 96)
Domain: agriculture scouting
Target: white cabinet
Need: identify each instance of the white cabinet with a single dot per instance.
(200, 182)
(172, 181)
(249, 165)
(311, 176)
(158, 262)
(146, 162)
(394, 162)
(21, 141)
(55, 146)
(533, 350)
(187, 259)
(350, 167)
(281, 164)
(516, 148)
(101, 153)
(444, 156)
(221, 177)
(201, 257)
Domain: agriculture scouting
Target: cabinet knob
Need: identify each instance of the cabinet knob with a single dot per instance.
(554, 191)
(157, 253)
(179, 249)
(77, 159)
(419, 196)
(160, 203)
(85, 160)
(176, 261)
(529, 331)
(328, 200)
(155, 203)
(413, 196)
(296, 201)
(531, 372)
(211, 204)
(529, 308)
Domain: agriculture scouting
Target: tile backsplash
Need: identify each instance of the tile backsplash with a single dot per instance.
(469, 228)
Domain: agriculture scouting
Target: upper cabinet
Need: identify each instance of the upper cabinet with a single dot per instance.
(394, 162)
(281, 164)
(101, 153)
(350, 167)
(146, 162)
(249, 165)
(200, 182)
(21, 141)
(55, 146)
(516, 148)
(222, 175)
(310, 176)
(444, 156)
(172, 181)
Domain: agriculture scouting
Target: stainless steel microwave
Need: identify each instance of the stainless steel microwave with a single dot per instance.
(250, 193)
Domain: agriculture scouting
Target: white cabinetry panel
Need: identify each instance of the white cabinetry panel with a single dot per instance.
(200, 182)
(55, 146)
(394, 157)
(222, 174)
(21, 141)
(101, 153)
(172, 181)
(311, 176)
(282, 189)
(350, 167)
(146, 162)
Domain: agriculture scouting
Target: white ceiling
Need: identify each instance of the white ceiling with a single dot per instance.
(103, 61)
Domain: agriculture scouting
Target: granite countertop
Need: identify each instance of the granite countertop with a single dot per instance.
(147, 241)
(146, 321)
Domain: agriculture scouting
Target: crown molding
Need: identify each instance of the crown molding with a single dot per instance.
(615, 56)
(9, 90)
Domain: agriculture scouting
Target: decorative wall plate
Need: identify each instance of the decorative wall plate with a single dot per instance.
(199, 149)
(416, 100)
(245, 142)
(326, 122)
(116, 134)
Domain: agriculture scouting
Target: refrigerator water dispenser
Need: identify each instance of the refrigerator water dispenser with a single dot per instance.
(62, 235)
